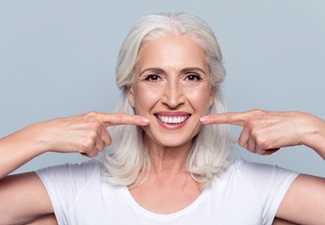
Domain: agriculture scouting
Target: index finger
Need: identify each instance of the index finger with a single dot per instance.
(112, 119)
(234, 118)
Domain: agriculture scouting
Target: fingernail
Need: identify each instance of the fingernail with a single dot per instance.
(145, 121)
(203, 119)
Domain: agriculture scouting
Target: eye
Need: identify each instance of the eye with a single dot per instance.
(152, 77)
(193, 77)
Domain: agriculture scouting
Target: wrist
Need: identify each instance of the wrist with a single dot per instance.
(31, 140)
(314, 137)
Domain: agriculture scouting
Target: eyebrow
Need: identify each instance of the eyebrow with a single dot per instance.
(152, 69)
(161, 71)
(190, 69)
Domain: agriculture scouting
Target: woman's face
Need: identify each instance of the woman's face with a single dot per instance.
(172, 88)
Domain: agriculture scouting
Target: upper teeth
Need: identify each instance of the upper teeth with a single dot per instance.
(172, 119)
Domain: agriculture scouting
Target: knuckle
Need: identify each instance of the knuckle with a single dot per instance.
(257, 115)
(257, 112)
(242, 143)
(92, 120)
(92, 154)
(92, 134)
(101, 148)
(260, 151)
(96, 125)
(252, 124)
(91, 114)
(255, 132)
(263, 144)
(88, 144)
(108, 141)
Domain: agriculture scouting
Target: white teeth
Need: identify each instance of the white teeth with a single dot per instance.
(172, 119)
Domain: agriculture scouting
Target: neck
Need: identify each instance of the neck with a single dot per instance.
(169, 160)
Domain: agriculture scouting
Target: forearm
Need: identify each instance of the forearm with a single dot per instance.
(18, 148)
(278, 221)
(45, 220)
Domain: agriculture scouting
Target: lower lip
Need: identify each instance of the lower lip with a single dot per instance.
(172, 126)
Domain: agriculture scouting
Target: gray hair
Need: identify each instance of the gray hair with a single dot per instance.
(128, 156)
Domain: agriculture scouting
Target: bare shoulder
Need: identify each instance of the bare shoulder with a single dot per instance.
(304, 203)
(18, 193)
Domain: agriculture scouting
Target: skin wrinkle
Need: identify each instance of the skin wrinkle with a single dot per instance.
(171, 78)
(172, 85)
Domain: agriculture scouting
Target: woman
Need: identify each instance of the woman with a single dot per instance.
(167, 163)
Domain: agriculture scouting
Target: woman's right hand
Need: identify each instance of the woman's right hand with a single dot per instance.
(86, 134)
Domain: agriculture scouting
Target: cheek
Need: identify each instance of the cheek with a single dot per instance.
(145, 99)
(201, 98)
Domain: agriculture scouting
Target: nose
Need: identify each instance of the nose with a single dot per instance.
(173, 95)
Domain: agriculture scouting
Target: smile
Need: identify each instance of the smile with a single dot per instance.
(172, 119)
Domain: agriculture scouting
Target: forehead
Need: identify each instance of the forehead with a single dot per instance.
(171, 51)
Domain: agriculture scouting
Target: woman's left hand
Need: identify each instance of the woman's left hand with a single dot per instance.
(265, 132)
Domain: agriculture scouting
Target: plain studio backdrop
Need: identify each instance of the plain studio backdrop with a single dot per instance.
(57, 58)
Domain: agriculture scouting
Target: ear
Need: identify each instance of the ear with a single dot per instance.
(131, 95)
(212, 94)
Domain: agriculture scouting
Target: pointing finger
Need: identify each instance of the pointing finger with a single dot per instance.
(112, 119)
(234, 118)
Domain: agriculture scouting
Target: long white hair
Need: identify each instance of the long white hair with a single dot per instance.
(127, 156)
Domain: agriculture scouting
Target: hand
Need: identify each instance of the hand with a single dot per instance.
(265, 132)
(86, 134)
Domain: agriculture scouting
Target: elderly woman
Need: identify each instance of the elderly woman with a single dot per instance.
(167, 161)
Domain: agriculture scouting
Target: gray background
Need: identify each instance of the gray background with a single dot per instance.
(57, 58)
